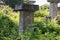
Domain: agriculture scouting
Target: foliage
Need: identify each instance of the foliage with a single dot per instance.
(43, 31)
(40, 30)
(8, 24)
(44, 11)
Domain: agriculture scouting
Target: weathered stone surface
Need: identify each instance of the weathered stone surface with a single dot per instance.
(26, 15)
(53, 1)
(26, 20)
(26, 7)
(58, 10)
(53, 10)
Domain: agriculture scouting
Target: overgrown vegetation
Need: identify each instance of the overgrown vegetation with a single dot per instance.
(8, 24)
(40, 30)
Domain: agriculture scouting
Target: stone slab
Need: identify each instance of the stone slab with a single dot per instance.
(26, 7)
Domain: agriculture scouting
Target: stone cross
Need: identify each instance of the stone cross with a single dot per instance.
(53, 8)
(26, 15)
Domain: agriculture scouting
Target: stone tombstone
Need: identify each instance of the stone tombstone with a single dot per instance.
(53, 8)
(26, 15)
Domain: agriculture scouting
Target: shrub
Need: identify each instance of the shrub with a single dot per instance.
(8, 25)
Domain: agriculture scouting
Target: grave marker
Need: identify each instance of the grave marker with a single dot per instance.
(26, 14)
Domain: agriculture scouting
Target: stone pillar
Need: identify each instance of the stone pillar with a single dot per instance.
(26, 19)
(26, 15)
(53, 10)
